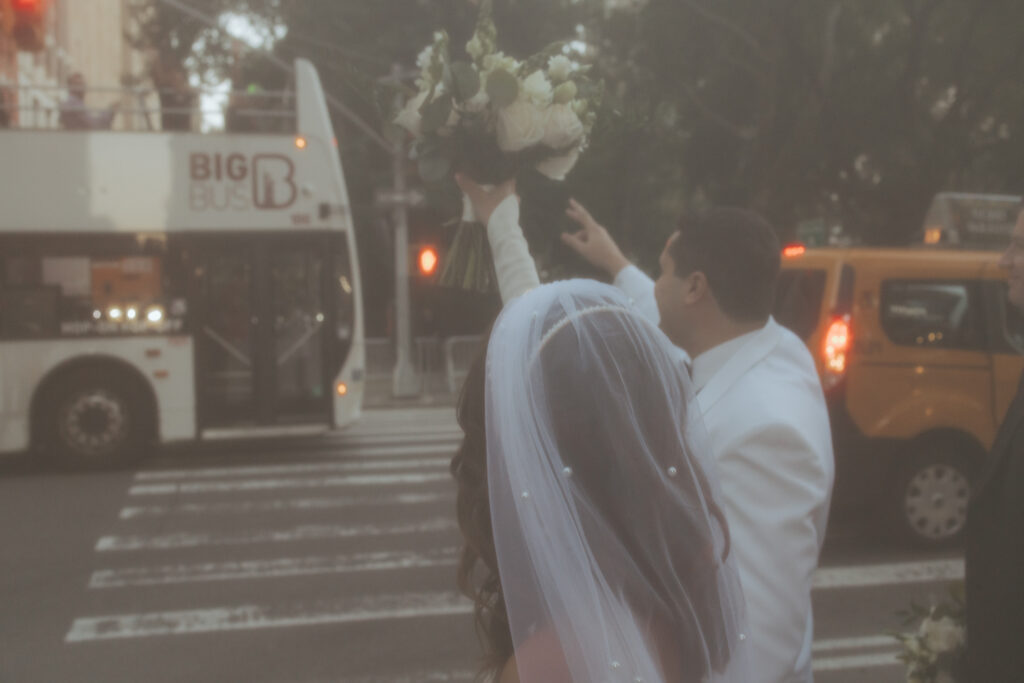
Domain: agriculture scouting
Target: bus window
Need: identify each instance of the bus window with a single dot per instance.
(54, 293)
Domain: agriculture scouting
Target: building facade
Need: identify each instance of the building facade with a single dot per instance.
(77, 37)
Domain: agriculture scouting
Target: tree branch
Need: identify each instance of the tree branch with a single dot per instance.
(728, 25)
(745, 133)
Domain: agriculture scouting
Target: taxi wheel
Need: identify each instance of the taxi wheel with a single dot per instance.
(932, 492)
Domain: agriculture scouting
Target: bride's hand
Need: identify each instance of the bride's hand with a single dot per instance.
(593, 242)
(484, 201)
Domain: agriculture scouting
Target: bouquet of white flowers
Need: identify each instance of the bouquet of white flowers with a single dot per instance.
(936, 652)
(491, 117)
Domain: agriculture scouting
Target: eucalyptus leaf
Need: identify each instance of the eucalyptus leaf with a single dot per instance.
(502, 88)
(467, 80)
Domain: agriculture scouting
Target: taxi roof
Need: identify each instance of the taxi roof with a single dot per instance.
(952, 262)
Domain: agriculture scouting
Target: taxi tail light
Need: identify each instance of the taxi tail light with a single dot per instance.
(793, 250)
(836, 347)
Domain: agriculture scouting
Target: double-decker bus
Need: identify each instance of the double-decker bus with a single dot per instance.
(174, 286)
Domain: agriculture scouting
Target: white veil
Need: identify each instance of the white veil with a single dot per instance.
(612, 549)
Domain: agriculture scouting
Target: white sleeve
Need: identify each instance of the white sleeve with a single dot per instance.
(640, 288)
(516, 270)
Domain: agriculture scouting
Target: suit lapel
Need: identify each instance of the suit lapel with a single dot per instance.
(759, 346)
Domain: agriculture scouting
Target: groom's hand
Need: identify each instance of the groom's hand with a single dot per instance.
(484, 201)
(593, 242)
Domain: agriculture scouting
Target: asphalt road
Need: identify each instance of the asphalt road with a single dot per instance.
(329, 559)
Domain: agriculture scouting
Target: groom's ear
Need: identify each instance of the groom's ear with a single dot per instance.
(695, 287)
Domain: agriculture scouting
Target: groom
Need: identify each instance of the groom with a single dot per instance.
(757, 388)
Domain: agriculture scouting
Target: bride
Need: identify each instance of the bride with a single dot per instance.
(595, 545)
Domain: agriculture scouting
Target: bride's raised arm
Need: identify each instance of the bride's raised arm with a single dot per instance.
(498, 209)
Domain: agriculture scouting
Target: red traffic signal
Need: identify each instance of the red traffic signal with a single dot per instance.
(427, 260)
(28, 24)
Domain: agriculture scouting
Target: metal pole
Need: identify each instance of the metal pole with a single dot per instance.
(404, 380)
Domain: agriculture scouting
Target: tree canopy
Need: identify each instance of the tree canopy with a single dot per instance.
(843, 111)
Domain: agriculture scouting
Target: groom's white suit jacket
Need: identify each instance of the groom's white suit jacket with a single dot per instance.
(768, 426)
(765, 414)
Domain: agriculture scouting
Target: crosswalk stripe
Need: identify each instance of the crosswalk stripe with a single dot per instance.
(397, 437)
(285, 483)
(896, 573)
(857, 661)
(293, 468)
(856, 643)
(248, 617)
(300, 533)
(284, 505)
(272, 569)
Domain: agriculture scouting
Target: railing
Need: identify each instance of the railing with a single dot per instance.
(441, 365)
(146, 109)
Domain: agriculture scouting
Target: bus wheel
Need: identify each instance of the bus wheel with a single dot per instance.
(95, 422)
(932, 492)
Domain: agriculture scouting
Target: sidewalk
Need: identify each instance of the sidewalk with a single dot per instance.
(435, 393)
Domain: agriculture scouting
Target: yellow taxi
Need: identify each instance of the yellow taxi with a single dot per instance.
(919, 354)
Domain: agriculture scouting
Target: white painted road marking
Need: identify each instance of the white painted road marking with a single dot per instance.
(285, 504)
(271, 569)
(856, 661)
(300, 533)
(858, 643)
(295, 468)
(285, 483)
(861, 576)
(248, 617)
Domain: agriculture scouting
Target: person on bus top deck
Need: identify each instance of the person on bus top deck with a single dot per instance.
(75, 115)
(177, 98)
(6, 105)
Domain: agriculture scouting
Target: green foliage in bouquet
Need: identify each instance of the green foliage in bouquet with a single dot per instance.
(492, 117)
(936, 652)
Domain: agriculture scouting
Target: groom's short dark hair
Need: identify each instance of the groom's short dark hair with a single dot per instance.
(739, 254)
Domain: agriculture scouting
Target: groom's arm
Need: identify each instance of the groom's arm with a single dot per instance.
(640, 289)
(597, 247)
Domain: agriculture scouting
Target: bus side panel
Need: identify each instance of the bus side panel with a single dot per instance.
(165, 362)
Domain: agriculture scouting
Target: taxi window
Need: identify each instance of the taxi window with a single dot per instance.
(933, 314)
(798, 300)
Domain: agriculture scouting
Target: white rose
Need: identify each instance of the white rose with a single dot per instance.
(477, 102)
(557, 168)
(562, 128)
(537, 89)
(475, 48)
(409, 118)
(559, 67)
(520, 125)
(498, 60)
(942, 635)
(425, 56)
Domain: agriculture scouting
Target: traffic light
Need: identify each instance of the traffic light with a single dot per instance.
(424, 261)
(427, 261)
(28, 24)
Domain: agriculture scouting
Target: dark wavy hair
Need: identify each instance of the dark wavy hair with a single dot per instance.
(477, 574)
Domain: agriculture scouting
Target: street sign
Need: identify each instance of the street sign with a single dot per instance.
(389, 199)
